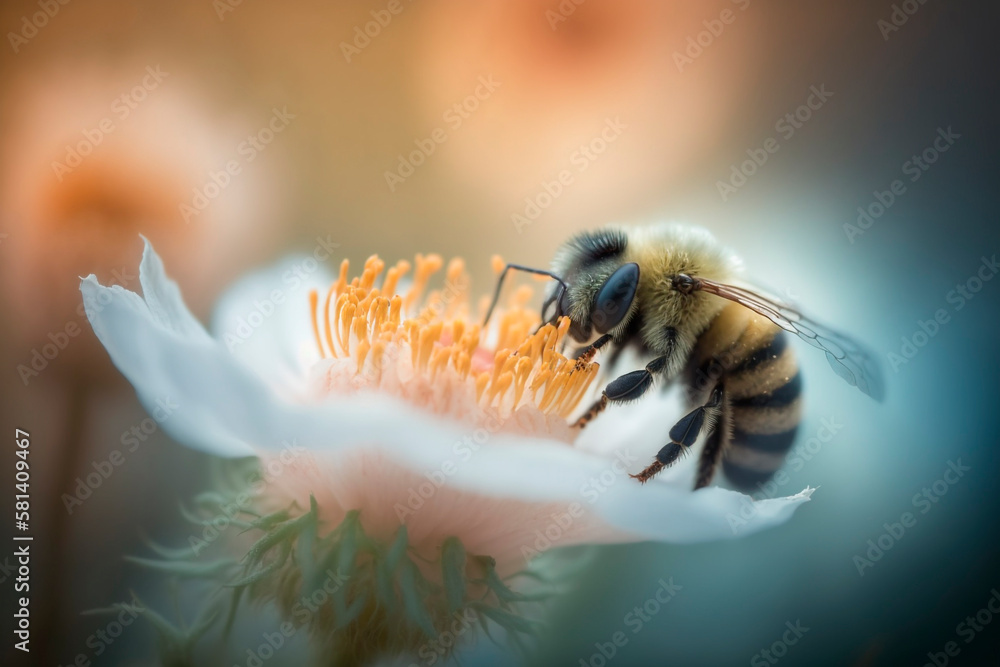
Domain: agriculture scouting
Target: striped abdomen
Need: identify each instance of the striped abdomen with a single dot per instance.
(762, 385)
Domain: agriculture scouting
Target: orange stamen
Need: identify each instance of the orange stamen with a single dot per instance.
(527, 368)
(313, 301)
(326, 321)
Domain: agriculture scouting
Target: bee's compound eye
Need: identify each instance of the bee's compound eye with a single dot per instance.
(615, 298)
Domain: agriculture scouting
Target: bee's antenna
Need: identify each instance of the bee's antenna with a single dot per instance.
(518, 267)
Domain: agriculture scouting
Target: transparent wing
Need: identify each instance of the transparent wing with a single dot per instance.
(850, 359)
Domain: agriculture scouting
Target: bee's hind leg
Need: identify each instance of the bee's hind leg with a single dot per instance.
(685, 433)
(715, 444)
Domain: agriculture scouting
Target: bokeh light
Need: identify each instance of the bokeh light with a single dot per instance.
(845, 150)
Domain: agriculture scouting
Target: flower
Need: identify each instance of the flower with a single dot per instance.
(80, 179)
(435, 459)
(606, 89)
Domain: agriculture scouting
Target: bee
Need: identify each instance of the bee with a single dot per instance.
(674, 293)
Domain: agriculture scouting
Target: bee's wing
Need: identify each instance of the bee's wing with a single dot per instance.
(849, 358)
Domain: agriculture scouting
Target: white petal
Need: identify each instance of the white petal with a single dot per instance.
(264, 320)
(163, 297)
(226, 409)
(527, 469)
(161, 364)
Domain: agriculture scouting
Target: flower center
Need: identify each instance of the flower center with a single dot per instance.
(393, 338)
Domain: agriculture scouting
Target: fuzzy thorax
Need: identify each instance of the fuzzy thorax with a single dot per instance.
(664, 321)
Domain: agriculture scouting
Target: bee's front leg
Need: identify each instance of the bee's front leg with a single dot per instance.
(586, 354)
(624, 389)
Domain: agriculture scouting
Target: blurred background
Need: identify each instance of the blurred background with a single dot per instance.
(232, 133)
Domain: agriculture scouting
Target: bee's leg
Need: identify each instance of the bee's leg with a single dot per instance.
(628, 387)
(717, 441)
(585, 354)
(685, 433)
(594, 410)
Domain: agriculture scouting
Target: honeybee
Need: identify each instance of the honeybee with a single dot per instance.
(673, 293)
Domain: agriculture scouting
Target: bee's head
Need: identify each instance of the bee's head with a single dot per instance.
(604, 291)
(598, 294)
(598, 285)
